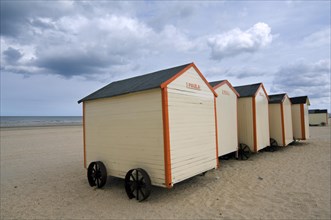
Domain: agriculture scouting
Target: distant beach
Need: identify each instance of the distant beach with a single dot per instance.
(39, 121)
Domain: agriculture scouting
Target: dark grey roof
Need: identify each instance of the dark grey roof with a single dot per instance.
(299, 100)
(247, 90)
(135, 84)
(315, 111)
(276, 98)
(215, 83)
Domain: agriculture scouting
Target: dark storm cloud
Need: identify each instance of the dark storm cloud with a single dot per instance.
(16, 15)
(76, 63)
(12, 55)
(83, 44)
(54, 39)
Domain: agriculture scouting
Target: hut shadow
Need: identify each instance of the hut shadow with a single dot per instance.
(298, 143)
(160, 194)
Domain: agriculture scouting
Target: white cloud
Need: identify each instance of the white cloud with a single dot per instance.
(172, 37)
(236, 41)
(235, 72)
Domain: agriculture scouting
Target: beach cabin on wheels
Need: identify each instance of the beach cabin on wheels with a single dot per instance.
(227, 118)
(253, 118)
(154, 129)
(300, 118)
(280, 120)
(318, 117)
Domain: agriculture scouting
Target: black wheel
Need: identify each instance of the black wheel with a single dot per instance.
(273, 145)
(97, 174)
(137, 184)
(273, 142)
(244, 152)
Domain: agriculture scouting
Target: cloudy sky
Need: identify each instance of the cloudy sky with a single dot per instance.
(56, 52)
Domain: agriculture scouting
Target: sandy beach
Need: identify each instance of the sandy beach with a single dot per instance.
(42, 177)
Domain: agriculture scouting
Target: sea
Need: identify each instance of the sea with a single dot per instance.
(39, 121)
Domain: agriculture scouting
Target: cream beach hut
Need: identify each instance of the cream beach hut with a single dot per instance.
(253, 117)
(318, 117)
(300, 118)
(154, 129)
(227, 118)
(280, 120)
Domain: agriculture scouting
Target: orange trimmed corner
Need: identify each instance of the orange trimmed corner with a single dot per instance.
(230, 86)
(166, 138)
(265, 92)
(166, 83)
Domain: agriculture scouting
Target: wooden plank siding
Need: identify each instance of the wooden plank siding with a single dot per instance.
(306, 121)
(227, 121)
(288, 121)
(280, 119)
(245, 122)
(300, 119)
(126, 132)
(318, 118)
(262, 119)
(191, 126)
(296, 119)
(275, 122)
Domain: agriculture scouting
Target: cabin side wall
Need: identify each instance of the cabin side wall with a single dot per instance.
(227, 122)
(262, 119)
(192, 127)
(245, 122)
(318, 118)
(296, 119)
(126, 132)
(288, 121)
(306, 121)
(275, 122)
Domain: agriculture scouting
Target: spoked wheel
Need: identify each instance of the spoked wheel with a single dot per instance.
(244, 152)
(97, 174)
(137, 184)
(273, 145)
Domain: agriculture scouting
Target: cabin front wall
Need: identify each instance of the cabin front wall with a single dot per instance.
(306, 120)
(126, 132)
(191, 126)
(227, 121)
(245, 122)
(262, 120)
(296, 119)
(288, 121)
(318, 118)
(275, 122)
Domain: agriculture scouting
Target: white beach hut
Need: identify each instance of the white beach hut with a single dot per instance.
(253, 117)
(300, 118)
(280, 120)
(227, 118)
(155, 129)
(318, 117)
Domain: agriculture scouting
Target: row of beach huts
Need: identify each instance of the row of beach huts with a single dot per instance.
(167, 126)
